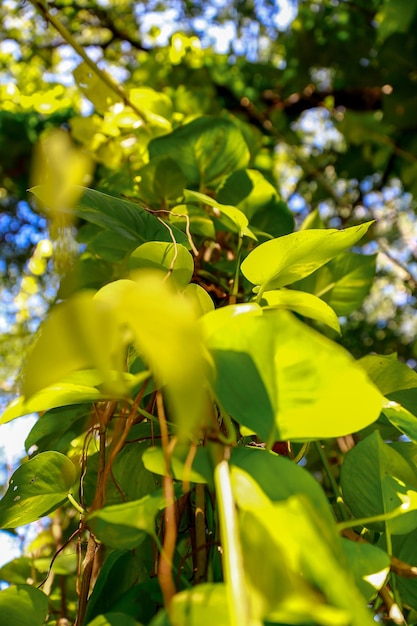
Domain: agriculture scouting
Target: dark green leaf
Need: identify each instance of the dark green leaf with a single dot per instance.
(207, 149)
(36, 488)
(376, 480)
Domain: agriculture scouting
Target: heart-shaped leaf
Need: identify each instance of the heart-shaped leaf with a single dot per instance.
(303, 303)
(282, 379)
(376, 480)
(36, 488)
(282, 261)
(23, 605)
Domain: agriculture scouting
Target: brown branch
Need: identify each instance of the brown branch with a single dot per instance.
(165, 577)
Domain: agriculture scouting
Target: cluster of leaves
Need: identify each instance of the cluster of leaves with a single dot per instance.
(190, 384)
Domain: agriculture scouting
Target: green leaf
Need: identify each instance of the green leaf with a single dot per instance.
(395, 16)
(343, 283)
(280, 478)
(200, 223)
(289, 258)
(94, 88)
(207, 149)
(161, 181)
(388, 373)
(66, 392)
(125, 526)
(114, 619)
(164, 330)
(404, 420)
(56, 428)
(200, 471)
(249, 191)
(168, 257)
(231, 218)
(375, 480)
(79, 333)
(36, 488)
(122, 217)
(200, 299)
(18, 571)
(291, 528)
(127, 485)
(303, 303)
(283, 380)
(205, 605)
(117, 574)
(404, 547)
(22, 605)
(370, 566)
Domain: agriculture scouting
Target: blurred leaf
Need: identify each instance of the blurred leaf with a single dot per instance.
(200, 299)
(289, 258)
(22, 605)
(113, 619)
(321, 569)
(199, 471)
(395, 16)
(36, 488)
(205, 605)
(94, 88)
(165, 332)
(80, 333)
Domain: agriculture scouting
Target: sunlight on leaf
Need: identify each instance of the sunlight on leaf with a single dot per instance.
(36, 488)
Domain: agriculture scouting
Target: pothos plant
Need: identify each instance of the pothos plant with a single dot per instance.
(190, 391)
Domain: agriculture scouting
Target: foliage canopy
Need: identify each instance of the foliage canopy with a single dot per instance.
(216, 223)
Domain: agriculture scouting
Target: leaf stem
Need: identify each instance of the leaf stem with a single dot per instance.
(365, 521)
(235, 286)
(335, 488)
(75, 504)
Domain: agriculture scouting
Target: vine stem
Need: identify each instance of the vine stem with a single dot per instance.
(165, 576)
(365, 521)
(333, 483)
(232, 551)
(106, 78)
(235, 286)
